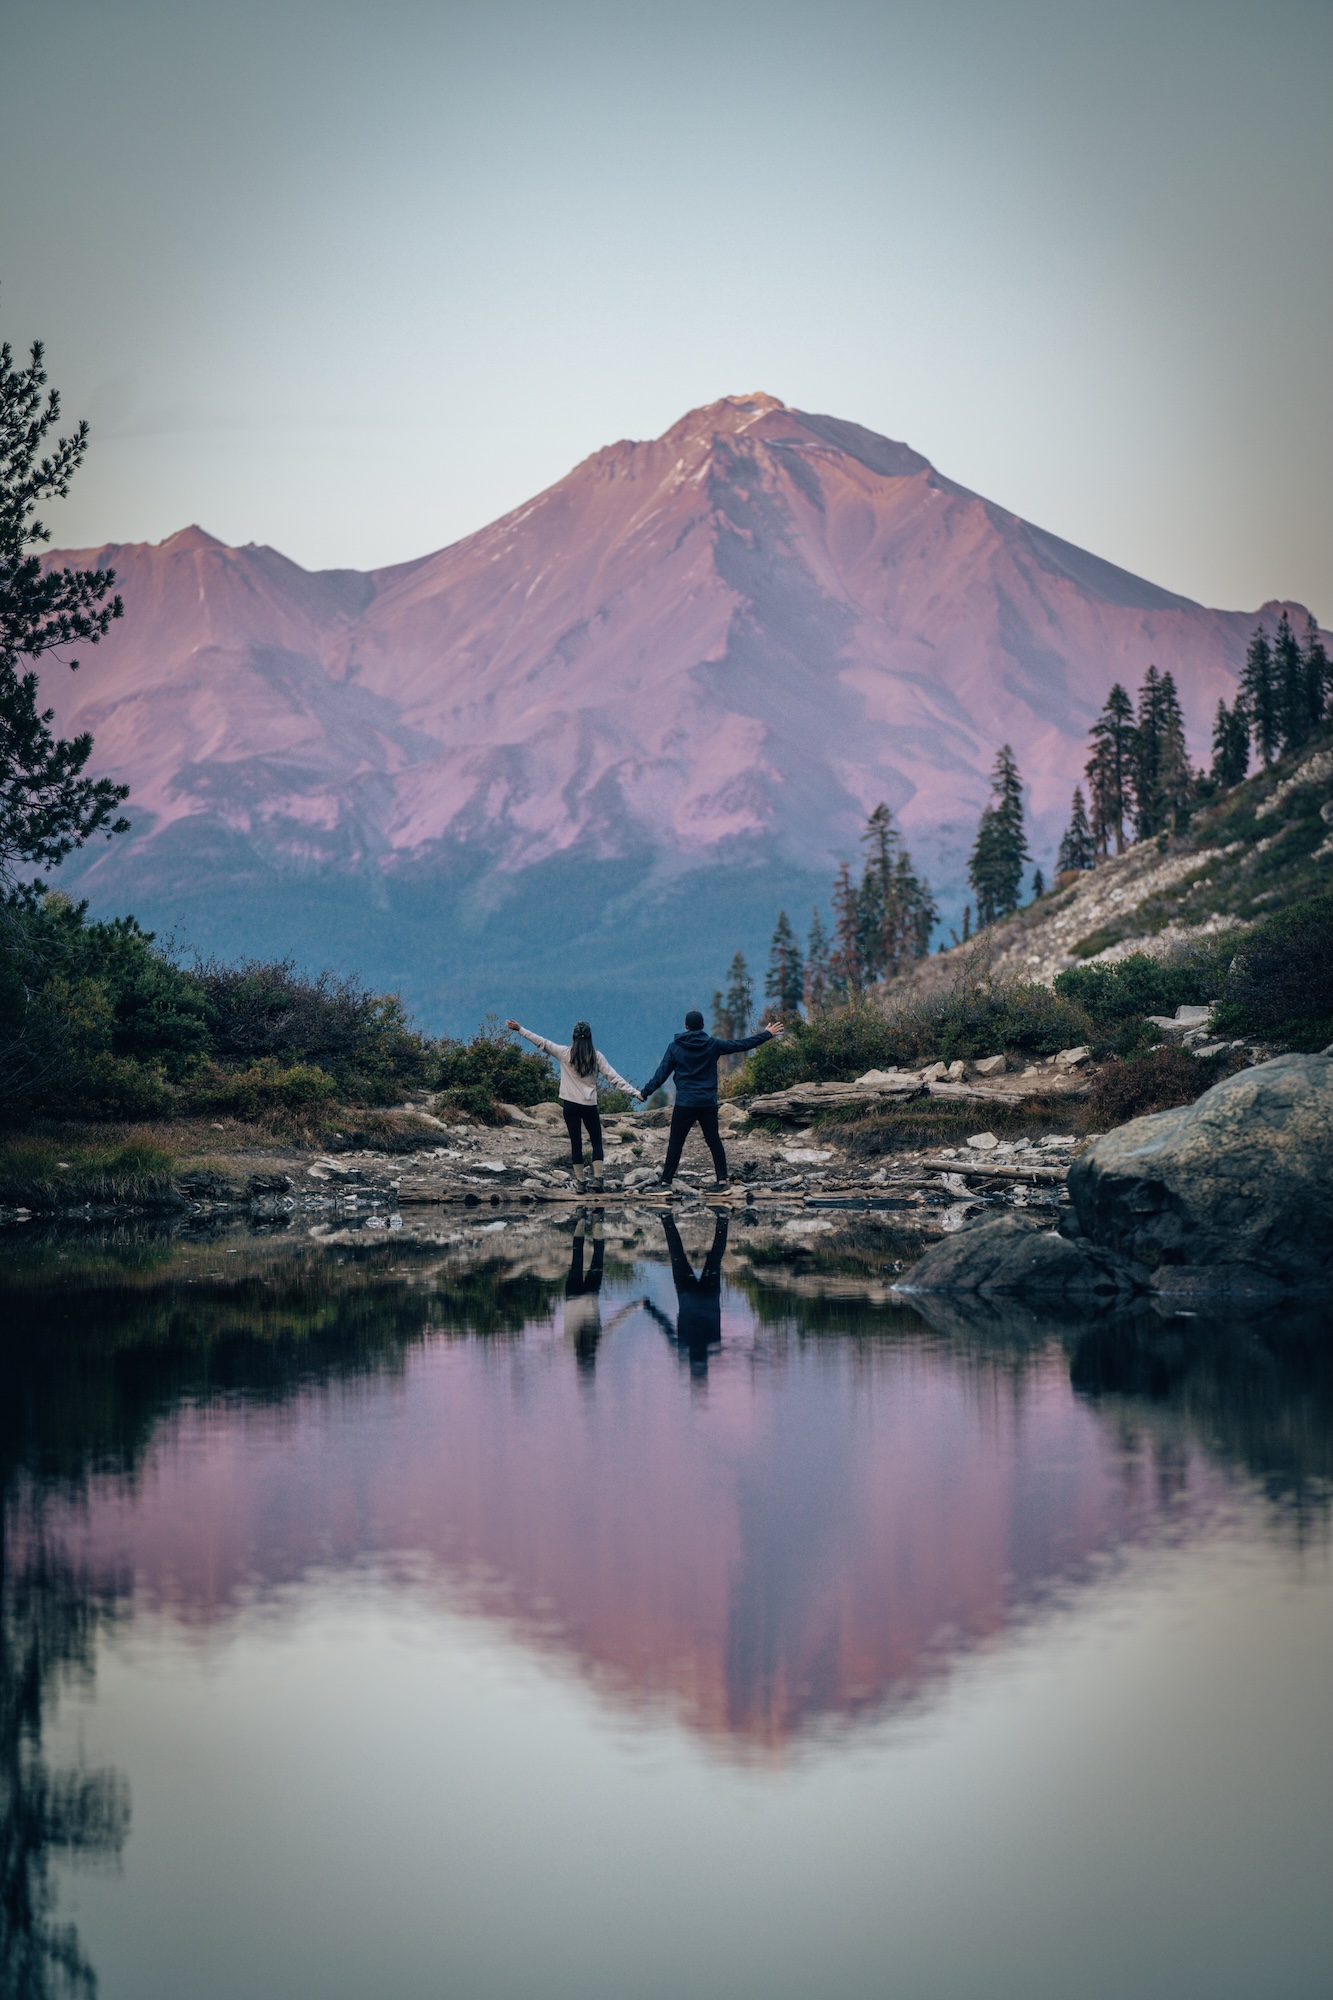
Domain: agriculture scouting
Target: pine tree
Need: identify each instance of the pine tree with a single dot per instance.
(1258, 696)
(995, 869)
(1231, 745)
(896, 912)
(846, 970)
(1076, 846)
(1038, 885)
(1318, 682)
(740, 997)
(1162, 776)
(1289, 676)
(1110, 770)
(47, 807)
(816, 967)
(784, 984)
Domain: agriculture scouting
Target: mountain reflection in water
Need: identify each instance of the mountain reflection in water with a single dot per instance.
(771, 1513)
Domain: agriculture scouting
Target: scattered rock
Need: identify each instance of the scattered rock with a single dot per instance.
(1071, 1058)
(983, 1142)
(989, 1065)
(1240, 1181)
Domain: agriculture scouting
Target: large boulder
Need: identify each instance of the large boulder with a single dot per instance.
(1240, 1181)
(1018, 1252)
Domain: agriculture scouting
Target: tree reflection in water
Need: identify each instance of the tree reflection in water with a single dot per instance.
(48, 1623)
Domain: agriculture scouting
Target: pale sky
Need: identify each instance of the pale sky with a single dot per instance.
(353, 281)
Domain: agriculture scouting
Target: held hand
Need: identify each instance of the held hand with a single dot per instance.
(513, 1025)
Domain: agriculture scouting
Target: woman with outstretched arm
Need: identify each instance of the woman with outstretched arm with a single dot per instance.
(579, 1065)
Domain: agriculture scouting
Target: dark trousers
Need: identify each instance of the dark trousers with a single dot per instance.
(683, 1117)
(576, 1117)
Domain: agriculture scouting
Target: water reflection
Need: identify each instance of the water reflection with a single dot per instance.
(697, 1327)
(864, 1494)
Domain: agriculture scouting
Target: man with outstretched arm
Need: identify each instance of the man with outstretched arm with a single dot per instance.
(692, 1059)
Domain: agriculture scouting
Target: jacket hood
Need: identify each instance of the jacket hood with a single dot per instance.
(693, 1038)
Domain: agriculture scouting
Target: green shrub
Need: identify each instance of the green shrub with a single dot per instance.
(491, 1062)
(266, 1011)
(973, 1018)
(264, 1086)
(1280, 985)
(1139, 985)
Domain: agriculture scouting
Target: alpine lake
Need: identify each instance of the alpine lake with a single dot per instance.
(530, 1604)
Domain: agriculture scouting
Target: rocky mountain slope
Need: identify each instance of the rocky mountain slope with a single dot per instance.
(1256, 849)
(623, 723)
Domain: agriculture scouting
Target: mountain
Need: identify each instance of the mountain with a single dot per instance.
(593, 747)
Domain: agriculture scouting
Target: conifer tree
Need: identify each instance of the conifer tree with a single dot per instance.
(784, 984)
(1258, 696)
(1289, 676)
(1110, 771)
(1077, 850)
(739, 1001)
(896, 911)
(47, 806)
(816, 966)
(1318, 681)
(1231, 745)
(846, 971)
(995, 869)
(1038, 884)
(1162, 777)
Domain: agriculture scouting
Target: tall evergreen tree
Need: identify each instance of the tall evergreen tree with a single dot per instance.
(896, 909)
(995, 869)
(1289, 676)
(47, 806)
(1077, 850)
(785, 981)
(1258, 696)
(846, 970)
(1110, 771)
(1038, 884)
(1162, 776)
(733, 1009)
(1318, 680)
(816, 966)
(1231, 745)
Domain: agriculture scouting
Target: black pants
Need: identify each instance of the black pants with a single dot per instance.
(576, 1117)
(683, 1117)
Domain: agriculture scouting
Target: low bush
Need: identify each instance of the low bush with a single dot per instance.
(1155, 1080)
(264, 1086)
(1138, 985)
(269, 1012)
(937, 1122)
(974, 1017)
(1280, 985)
(476, 1077)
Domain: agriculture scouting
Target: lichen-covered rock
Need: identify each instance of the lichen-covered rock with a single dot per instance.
(1243, 1177)
(1017, 1252)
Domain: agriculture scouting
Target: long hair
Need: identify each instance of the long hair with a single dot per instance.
(581, 1051)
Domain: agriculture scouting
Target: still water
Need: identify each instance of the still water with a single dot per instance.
(419, 1620)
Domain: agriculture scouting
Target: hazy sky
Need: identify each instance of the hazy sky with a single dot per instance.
(353, 280)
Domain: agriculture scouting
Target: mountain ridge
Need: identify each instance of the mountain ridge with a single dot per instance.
(700, 658)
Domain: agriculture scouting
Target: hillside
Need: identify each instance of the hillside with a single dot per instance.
(595, 745)
(1256, 850)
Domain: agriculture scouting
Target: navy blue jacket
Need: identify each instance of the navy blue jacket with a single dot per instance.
(693, 1057)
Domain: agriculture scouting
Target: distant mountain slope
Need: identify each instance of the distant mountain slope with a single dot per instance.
(1253, 851)
(697, 660)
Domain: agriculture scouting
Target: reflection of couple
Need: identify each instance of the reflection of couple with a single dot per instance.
(692, 1057)
(698, 1324)
(698, 1299)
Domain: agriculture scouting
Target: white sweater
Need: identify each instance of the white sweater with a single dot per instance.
(576, 1089)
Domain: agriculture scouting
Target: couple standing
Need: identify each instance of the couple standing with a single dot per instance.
(692, 1058)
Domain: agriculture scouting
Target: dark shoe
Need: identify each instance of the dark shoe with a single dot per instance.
(723, 1186)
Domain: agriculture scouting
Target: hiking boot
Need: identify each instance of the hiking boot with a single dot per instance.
(723, 1186)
